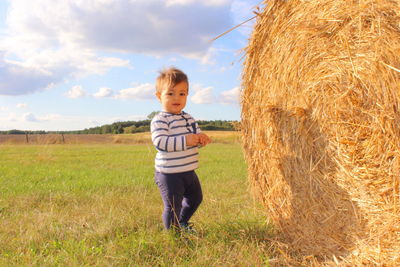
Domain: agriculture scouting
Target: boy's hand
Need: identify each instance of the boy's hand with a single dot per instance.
(192, 139)
(204, 139)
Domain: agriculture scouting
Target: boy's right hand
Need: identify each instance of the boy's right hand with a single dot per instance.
(192, 140)
(204, 139)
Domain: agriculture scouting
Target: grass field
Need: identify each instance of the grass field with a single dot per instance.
(97, 205)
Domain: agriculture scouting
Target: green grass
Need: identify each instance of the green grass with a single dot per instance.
(98, 205)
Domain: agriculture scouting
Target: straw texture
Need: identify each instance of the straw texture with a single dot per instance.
(321, 128)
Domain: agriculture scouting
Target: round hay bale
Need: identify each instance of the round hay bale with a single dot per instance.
(321, 127)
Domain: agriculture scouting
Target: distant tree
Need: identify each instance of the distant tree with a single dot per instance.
(141, 129)
(130, 129)
(151, 115)
(106, 129)
(117, 128)
(135, 127)
(16, 132)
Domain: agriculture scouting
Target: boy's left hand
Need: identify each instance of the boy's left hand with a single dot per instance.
(204, 139)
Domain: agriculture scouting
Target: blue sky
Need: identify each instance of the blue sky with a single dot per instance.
(70, 65)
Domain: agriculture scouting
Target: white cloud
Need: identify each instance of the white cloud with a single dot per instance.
(57, 122)
(49, 117)
(139, 92)
(242, 10)
(209, 57)
(189, 2)
(12, 117)
(64, 25)
(42, 69)
(205, 95)
(21, 105)
(3, 108)
(50, 41)
(76, 92)
(29, 117)
(168, 29)
(202, 95)
(18, 78)
(119, 119)
(104, 92)
(230, 97)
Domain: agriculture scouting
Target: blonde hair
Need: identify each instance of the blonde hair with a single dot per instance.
(170, 77)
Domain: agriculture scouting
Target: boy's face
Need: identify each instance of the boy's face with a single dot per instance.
(173, 100)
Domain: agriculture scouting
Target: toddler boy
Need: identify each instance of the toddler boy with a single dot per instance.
(176, 136)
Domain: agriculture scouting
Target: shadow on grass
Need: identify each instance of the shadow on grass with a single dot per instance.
(244, 231)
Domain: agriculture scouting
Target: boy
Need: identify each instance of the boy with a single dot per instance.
(176, 136)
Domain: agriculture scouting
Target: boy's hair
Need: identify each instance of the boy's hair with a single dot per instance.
(170, 77)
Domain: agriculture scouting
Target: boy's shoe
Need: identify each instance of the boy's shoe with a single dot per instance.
(187, 228)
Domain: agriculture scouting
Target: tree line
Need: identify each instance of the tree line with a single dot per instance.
(128, 127)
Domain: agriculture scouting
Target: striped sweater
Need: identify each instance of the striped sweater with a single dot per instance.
(168, 133)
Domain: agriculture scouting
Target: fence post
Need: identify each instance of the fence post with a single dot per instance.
(26, 137)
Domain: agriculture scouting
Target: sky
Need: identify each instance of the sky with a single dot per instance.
(75, 64)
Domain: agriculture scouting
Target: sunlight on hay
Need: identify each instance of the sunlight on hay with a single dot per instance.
(321, 128)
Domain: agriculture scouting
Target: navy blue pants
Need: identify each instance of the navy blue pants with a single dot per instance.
(181, 194)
